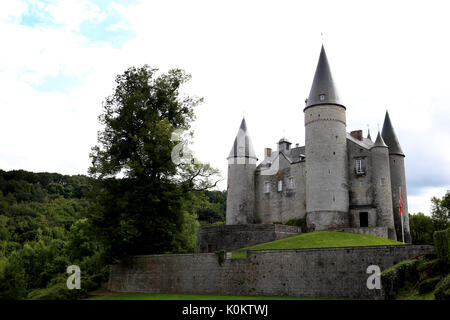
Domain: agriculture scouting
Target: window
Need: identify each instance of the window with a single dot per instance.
(382, 182)
(363, 219)
(291, 183)
(266, 187)
(360, 166)
(322, 97)
(280, 185)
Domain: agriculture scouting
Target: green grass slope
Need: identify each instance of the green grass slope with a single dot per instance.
(319, 239)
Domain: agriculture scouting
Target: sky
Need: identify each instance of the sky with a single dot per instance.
(59, 58)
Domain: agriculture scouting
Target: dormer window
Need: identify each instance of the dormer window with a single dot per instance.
(322, 97)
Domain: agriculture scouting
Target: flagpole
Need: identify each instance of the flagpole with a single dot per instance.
(401, 213)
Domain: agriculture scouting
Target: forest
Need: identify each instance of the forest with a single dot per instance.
(45, 227)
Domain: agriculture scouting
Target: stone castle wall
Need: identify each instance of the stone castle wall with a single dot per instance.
(315, 273)
(281, 206)
(232, 237)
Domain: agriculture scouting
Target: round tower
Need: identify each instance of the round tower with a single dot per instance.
(327, 199)
(381, 182)
(241, 180)
(398, 179)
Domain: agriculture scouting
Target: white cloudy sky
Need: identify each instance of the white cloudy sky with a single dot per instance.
(58, 60)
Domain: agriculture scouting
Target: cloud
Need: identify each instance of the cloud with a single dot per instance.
(254, 57)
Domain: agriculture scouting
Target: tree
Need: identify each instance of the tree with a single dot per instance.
(440, 211)
(144, 210)
(421, 227)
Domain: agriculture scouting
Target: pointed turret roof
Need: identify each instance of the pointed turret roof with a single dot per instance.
(323, 90)
(368, 134)
(389, 136)
(242, 146)
(379, 142)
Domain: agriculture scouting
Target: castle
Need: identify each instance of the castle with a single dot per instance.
(338, 179)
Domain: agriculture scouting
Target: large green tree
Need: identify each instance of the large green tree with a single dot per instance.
(144, 197)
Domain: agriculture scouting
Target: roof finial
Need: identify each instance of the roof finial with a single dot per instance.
(321, 36)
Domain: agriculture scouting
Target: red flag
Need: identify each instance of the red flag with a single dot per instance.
(400, 203)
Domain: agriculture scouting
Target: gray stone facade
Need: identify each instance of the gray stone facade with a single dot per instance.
(315, 273)
(232, 237)
(338, 179)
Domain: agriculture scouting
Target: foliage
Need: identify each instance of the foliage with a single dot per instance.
(150, 208)
(301, 223)
(221, 255)
(428, 285)
(442, 244)
(440, 212)
(443, 289)
(421, 228)
(214, 208)
(419, 278)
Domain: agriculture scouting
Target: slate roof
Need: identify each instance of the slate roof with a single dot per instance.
(390, 137)
(323, 89)
(242, 146)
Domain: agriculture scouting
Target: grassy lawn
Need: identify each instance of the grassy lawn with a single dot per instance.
(168, 296)
(319, 239)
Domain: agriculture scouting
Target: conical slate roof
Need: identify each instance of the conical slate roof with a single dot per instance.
(390, 138)
(323, 90)
(368, 134)
(242, 146)
(379, 142)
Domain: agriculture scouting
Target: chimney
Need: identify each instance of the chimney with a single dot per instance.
(267, 152)
(357, 134)
(297, 145)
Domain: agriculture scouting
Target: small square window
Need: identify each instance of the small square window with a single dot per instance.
(322, 97)
(382, 182)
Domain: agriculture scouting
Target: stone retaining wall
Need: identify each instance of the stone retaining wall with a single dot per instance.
(318, 273)
(232, 237)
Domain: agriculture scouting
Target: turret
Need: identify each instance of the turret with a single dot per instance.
(241, 179)
(381, 182)
(398, 179)
(327, 199)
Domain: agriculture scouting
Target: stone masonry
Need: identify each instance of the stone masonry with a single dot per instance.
(232, 237)
(315, 273)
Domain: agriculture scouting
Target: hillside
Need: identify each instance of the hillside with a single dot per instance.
(319, 239)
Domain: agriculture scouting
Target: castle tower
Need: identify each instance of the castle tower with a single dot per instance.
(381, 182)
(327, 199)
(241, 179)
(398, 179)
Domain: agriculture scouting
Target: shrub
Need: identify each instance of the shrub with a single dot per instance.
(442, 244)
(300, 222)
(394, 278)
(428, 285)
(443, 289)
